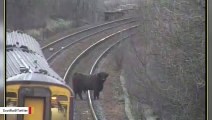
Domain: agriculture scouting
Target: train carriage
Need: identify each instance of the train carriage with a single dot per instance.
(32, 83)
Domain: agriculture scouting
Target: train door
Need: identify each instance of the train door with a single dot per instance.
(39, 99)
(37, 105)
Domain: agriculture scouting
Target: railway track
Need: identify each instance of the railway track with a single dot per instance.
(93, 69)
(61, 44)
(68, 55)
(96, 60)
(76, 60)
(123, 34)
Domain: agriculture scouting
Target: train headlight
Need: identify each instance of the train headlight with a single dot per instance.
(54, 98)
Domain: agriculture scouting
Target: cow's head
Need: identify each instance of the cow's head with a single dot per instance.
(102, 76)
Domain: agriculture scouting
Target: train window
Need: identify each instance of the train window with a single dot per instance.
(59, 107)
(11, 94)
(62, 98)
(11, 101)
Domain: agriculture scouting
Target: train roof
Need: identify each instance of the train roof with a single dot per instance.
(34, 77)
(23, 40)
(21, 62)
(28, 59)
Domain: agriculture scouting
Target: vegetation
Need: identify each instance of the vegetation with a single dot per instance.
(36, 14)
(165, 65)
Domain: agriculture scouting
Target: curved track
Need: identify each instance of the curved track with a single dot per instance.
(64, 42)
(93, 69)
(100, 44)
(76, 60)
(94, 62)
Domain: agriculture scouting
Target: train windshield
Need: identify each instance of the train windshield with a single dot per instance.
(59, 105)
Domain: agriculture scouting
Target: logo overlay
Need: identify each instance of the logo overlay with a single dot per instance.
(15, 110)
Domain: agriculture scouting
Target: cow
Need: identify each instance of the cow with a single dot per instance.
(82, 82)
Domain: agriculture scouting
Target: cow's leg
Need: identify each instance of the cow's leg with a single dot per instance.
(95, 94)
(80, 94)
(75, 95)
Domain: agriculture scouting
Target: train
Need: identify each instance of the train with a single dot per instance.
(31, 82)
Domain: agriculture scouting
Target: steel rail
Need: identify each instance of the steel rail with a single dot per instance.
(93, 68)
(80, 39)
(71, 66)
(54, 42)
(90, 48)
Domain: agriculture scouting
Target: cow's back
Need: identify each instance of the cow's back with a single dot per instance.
(76, 80)
(82, 81)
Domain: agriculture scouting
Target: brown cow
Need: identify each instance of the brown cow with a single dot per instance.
(82, 82)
